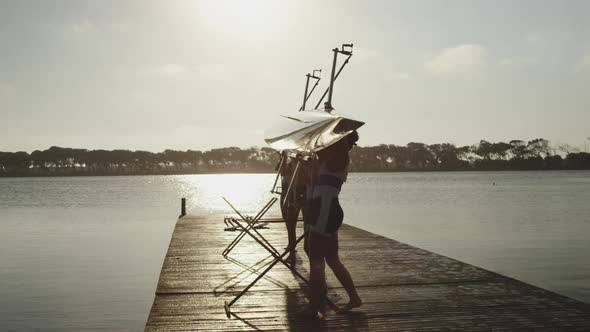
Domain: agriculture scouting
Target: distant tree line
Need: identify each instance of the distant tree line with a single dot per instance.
(514, 155)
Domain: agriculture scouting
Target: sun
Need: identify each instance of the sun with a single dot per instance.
(247, 10)
(243, 17)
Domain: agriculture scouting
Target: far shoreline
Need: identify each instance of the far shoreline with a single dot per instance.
(273, 173)
(414, 157)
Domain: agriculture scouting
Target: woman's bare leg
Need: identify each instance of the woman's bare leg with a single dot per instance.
(345, 279)
(292, 236)
(317, 282)
(290, 216)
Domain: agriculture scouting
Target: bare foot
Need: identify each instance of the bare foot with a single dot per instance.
(311, 313)
(292, 258)
(351, 305)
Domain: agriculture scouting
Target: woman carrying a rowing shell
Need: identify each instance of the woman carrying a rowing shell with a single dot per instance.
(325, 217)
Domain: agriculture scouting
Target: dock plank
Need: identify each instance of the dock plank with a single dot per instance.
(403, 288)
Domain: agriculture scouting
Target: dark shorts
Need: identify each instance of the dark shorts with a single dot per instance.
(321, 246)
(335, 214)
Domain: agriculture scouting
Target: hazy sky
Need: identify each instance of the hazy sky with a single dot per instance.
(200, 74)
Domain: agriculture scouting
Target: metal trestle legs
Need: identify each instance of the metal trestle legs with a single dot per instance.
(251, 223)
(227, 305)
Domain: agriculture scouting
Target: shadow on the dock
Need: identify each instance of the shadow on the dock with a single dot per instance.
(297, 301)
(234, 281)
(355, 320)
(253, 327)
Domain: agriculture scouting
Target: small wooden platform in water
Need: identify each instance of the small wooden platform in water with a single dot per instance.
(403, 288)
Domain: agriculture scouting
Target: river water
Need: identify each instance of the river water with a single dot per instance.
(84, 253)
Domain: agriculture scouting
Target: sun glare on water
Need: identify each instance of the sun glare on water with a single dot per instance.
(247, 192)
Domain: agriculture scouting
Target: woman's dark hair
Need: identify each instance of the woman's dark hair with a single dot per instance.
(352, 138)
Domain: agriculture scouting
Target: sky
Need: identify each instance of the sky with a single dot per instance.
(155, 75)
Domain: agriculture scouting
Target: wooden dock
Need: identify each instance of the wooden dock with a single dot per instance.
(403, 288)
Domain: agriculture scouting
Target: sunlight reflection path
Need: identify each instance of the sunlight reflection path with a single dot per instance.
(248, 192)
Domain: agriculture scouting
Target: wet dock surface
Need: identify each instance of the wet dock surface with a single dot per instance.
(403, 288)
